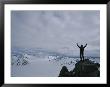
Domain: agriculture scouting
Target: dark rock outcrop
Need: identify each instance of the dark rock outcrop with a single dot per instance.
(84, 68)
(65, 73)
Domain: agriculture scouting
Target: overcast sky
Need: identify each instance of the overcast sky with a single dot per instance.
(56, 30)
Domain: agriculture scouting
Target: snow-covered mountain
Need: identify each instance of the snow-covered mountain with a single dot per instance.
(40, 62)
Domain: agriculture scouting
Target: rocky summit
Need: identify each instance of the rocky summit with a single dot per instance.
(86, 68)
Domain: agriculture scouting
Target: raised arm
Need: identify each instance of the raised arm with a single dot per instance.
(78, 45)
(85, 45)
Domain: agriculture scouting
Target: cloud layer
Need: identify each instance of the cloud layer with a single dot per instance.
(56, 30)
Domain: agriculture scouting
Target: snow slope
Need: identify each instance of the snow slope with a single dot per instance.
(41, 64)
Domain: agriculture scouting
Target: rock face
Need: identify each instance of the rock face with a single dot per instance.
(84, 68)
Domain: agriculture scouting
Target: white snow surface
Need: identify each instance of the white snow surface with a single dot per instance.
(43, 66)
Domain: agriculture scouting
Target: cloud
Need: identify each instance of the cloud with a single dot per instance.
(56, 29)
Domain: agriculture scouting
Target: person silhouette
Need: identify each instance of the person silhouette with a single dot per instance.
(81, 51)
